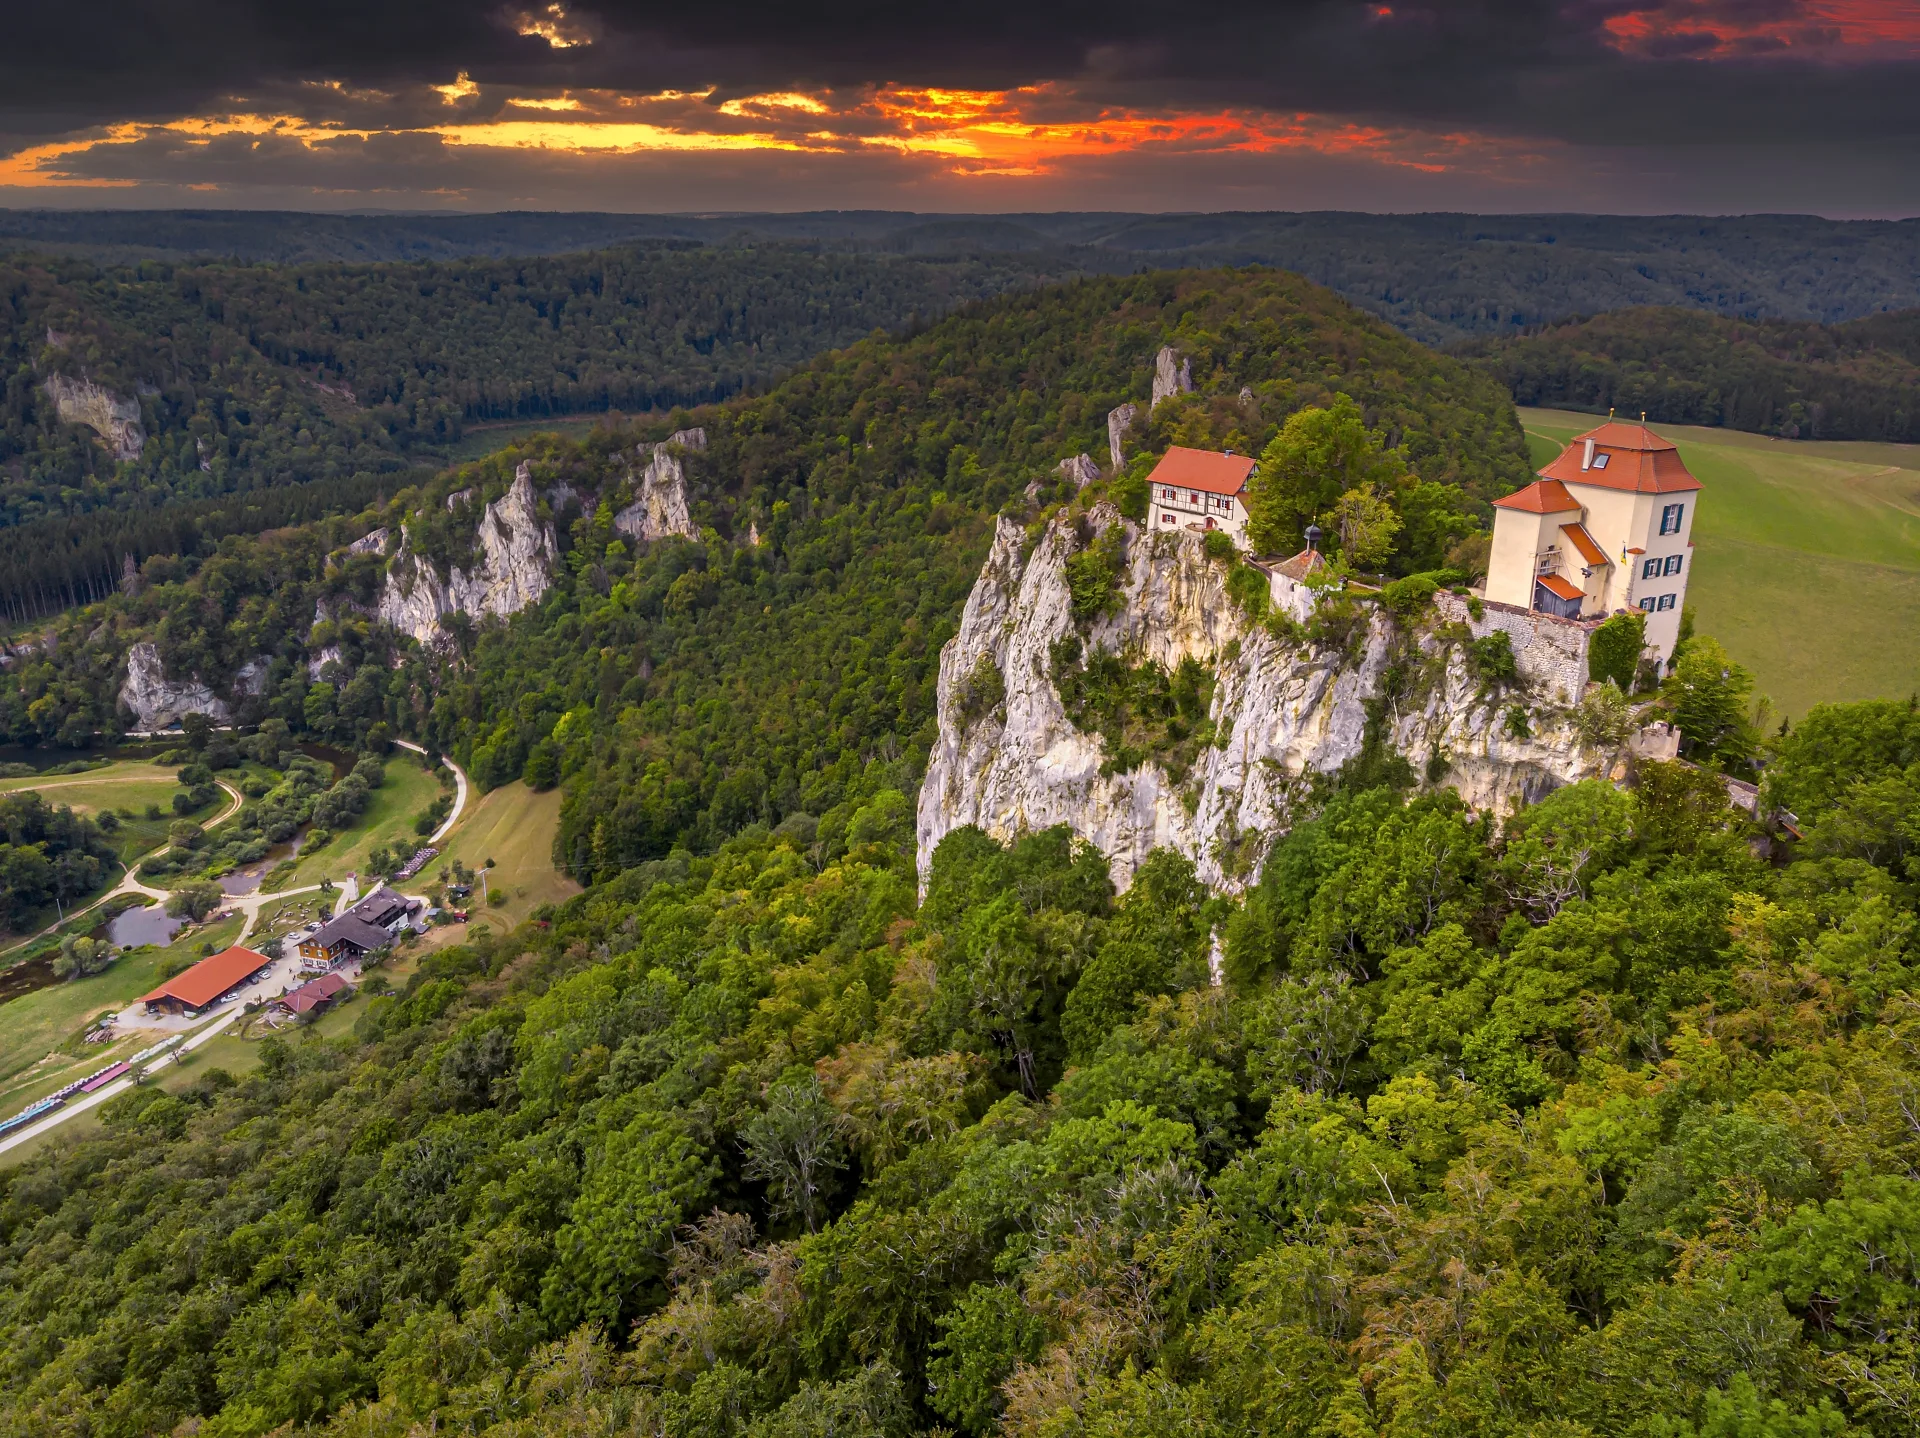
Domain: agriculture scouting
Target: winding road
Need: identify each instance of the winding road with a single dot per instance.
(459, 791)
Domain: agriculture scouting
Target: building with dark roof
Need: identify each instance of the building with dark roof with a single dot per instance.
(195, 990)
(372, 923)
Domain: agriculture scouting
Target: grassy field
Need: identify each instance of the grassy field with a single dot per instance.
(127, 785)
(1806, 557)
(37, 1028)
(514, 827)
(388, 816)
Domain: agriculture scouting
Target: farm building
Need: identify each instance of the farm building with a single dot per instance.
(199, 988)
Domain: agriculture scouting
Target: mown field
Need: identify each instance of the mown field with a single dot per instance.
(127, 785)
(1806, 557)
(514, 827)
(37, 1031)
(389, 815)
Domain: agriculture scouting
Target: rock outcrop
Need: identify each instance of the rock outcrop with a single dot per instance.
(1170, 377)
(1080, 469)
(517, 557)
(1285, 710)
(158, 702)
(1119, 418)
(115, 420)
(660, 509)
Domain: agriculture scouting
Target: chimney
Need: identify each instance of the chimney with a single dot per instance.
(1586, 457)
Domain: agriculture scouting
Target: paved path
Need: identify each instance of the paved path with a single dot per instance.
(82, 1102)
(459, 792)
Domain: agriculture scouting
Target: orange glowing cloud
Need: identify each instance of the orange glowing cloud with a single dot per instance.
(1886, 29)
(1029, 132)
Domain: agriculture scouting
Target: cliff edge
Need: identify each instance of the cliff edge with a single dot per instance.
(1284, 702)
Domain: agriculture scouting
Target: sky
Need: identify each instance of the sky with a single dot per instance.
(1620, 106)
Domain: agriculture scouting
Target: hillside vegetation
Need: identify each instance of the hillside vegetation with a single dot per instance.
(1439, 277)
(1592, 1123)
(1795, 379)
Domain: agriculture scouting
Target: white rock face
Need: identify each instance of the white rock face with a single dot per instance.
(371, 543)
(1169, 378)
(158, 702)
(1118, 418)
(115, 420)
(1286, 710)
(661, 508)
(1080, 469)
(517, 557)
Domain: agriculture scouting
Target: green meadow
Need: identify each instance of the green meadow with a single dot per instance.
(1806, 557)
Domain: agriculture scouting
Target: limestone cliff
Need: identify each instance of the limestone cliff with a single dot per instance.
(115, 420)
(517, 554)
(158, 702)
(660, 508)
(1283, 708)
(1169, 378)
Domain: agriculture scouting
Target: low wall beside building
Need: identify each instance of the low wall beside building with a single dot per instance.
(1550, 652)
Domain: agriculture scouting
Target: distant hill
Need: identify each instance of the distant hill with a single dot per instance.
(1799, 380)
(1440, 277)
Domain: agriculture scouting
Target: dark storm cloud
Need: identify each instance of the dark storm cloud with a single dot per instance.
(1518, 67)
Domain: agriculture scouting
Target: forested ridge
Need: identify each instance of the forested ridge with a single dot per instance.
(1595, 1122)
(256, 376)
(1439, 277)
(692, 688)
(1795, 379)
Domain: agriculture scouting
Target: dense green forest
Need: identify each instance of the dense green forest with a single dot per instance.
(253, 377)
(1597, 1126)
(1796, 379)
(1439, 277)
(698, 687)
(1597, 1122)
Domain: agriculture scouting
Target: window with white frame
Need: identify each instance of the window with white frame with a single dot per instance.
(1666, 601)
(1650, 570)
(1673, 563)
(1670, 518)
(1648, 603)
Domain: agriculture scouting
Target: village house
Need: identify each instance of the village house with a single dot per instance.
(373, 923)
(313, 997)
(1199, 490)
(193, 991)
(1607, 526)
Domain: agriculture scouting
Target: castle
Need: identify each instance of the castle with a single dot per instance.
(1607, 526)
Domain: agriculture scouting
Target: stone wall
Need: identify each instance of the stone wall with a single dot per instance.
(1550, 652)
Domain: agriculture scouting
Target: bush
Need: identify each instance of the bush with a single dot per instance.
(1219, 545)
(981, 692)
(1491, 659)
(1604, 717)
(1093, 576)
(1615, 650)
(1248, 588)
(1407, 597)
(195, 900)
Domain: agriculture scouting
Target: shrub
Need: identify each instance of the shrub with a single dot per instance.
(1604, 717)
(983, 690)
(1130, 493)
(1093, 576)
(1490, 657)
(1615, 650)
(1248, 587)
(1219, 545)
(1407, 597)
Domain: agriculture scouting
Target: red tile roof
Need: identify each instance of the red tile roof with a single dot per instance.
(1302, 564)
(1636, 459)
(1566, 589)
(1204, 470)
(313, 994)
(1578, 537)
(1547, 496)
(207, 980)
